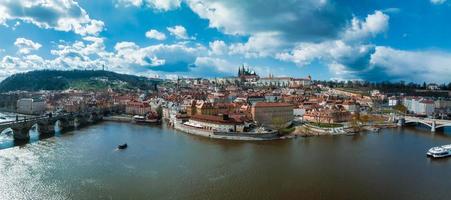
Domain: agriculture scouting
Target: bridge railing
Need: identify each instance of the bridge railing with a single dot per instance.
(30, 119)
(57, 116)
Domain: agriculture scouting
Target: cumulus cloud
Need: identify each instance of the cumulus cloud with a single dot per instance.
(337, 51)
(350, 47)
(438, 2)
(127, 57)
(179, 32)
(26, 46)
(374, 24)
(293, 20)
(158, 55)
(412, 65)
(61, 15)
(218, 47)
(347, 57)
(258, 45)
(90, 46)
(154, 34)
(163, 5)
(11, 64)
(212, 66)
(275, 25)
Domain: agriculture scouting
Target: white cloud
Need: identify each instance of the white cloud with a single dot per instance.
(258, 45)
(344, 50)
(218, 47)
(179, 32)
(26, 46)
(318, 19)
(156, 55)
(374, 24)
(154, 34)
(61, 15)
(413, 65)
(163, 5)
(346, 57)
(212, 64)
(330, 52)
(127, 57)
(94, 47)
(438, 2)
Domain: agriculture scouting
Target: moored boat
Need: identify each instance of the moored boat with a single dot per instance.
(439, 152)
(122, 146)
(145, 119)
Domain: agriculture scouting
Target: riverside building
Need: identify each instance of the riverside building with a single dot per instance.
(273, 115)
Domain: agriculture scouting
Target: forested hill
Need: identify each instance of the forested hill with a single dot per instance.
(76, 79)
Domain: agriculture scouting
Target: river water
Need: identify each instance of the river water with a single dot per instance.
(161, 163)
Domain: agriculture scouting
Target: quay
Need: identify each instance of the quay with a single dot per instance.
(245, 136)
(119, 118)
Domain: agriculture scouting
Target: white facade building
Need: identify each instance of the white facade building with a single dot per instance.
(30, 106)
(419, 106)
(392, 102)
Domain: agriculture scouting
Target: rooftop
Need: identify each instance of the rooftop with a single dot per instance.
(270, 104)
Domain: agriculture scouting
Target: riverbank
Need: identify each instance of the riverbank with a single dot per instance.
(119, 118)
(312, 130)
(249, 136)
(160, 163)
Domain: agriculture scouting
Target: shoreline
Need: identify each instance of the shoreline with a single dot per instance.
(228, 136)
(307, 130)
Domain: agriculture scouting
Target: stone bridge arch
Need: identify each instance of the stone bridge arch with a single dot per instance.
(45, 126)
(7, 131)
(443, 125)
(94, 117)
(418, 121)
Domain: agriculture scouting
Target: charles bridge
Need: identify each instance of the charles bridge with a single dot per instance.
(46, 124)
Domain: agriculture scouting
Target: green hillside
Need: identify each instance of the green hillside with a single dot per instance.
(75, 79)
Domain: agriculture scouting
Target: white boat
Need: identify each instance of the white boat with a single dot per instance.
(439, 152)
(144, 119)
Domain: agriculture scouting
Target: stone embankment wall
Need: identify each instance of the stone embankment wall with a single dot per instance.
(227, 136)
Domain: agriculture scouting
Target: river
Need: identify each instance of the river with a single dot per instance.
(161, 163)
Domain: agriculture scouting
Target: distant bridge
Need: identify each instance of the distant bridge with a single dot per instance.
(46, 124)
(432, 123)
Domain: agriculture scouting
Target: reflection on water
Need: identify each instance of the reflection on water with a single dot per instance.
(161, 163)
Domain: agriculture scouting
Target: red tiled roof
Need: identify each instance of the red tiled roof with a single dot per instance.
(268, 104)
(215, 119)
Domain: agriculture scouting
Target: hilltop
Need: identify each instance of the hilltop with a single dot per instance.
(75, 79)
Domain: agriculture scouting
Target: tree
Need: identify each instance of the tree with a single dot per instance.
(400, 108)
(354, 123)
(159, 111)
(279, 124)
(364, 119)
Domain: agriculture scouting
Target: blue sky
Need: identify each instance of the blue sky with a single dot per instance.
(328, 39)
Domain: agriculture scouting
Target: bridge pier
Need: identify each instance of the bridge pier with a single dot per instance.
(433, 127)
(401, 121)
(77, 123)
(21, 133)
(46, 128)
(80, 121)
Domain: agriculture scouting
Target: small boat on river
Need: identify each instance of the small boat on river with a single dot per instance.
(122, 146)
(147, 119)
(439, 152)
